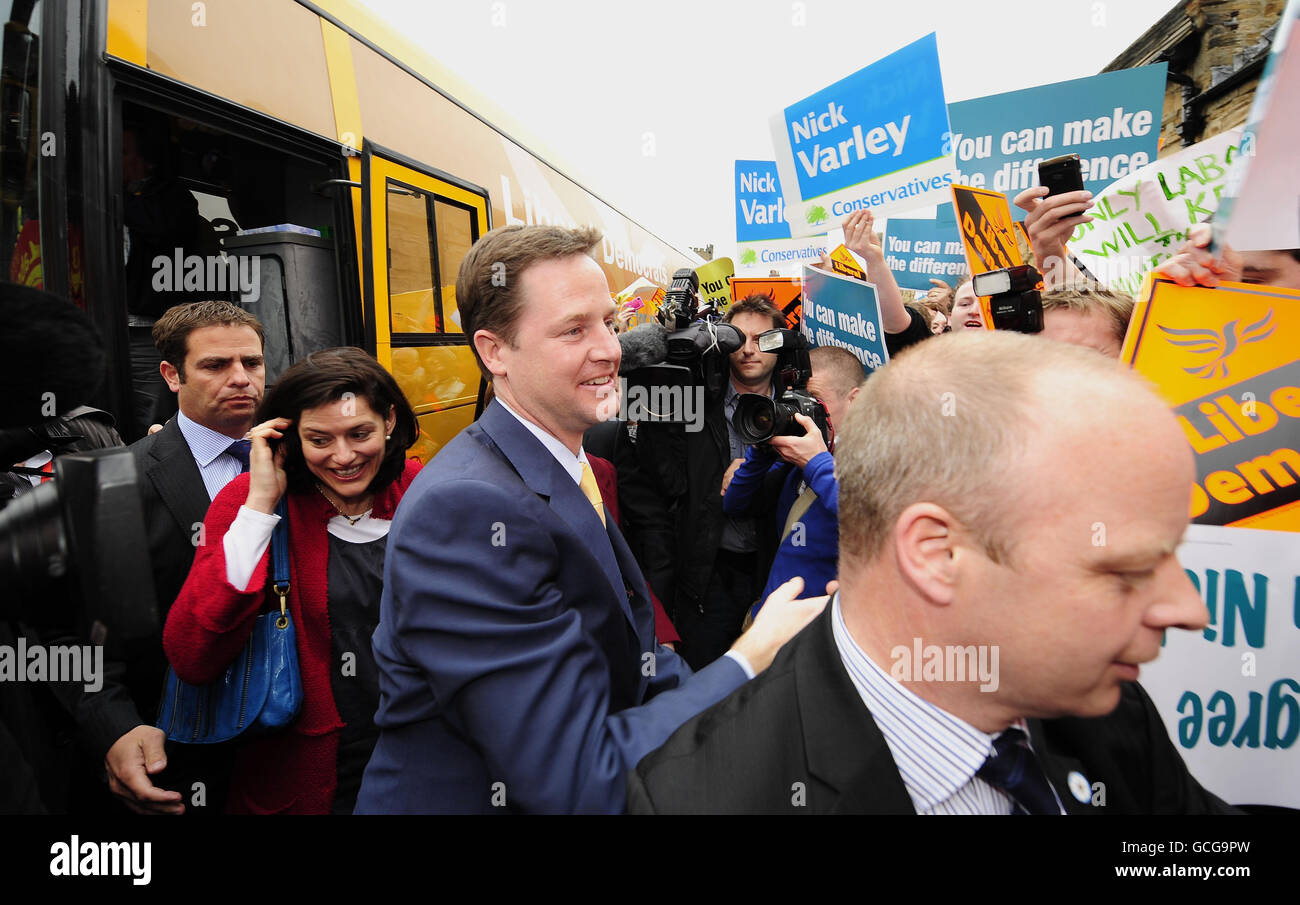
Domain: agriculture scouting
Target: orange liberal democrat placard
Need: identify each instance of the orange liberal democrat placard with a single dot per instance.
(1228, 362)
(988, 232)
(843, 263)
(787, 293)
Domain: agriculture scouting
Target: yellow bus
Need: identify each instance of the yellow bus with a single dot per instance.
(304, 147)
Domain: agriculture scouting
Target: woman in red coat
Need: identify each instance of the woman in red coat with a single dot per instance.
(333, 435)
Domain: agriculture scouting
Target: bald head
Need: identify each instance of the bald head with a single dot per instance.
(1023, 497)
(949, 422)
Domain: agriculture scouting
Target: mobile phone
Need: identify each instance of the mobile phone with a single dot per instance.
(1061, 174)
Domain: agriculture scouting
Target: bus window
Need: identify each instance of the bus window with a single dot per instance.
(455, 236)
(412, 308)
(423, 261)
(426, 224)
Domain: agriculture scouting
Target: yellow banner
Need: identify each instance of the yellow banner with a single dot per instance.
(1228, 362)
(715, 282)
(843, 263)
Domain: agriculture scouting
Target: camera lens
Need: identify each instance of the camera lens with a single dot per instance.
(32, 539)
(755, 418)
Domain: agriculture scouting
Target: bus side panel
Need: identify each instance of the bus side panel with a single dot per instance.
(400, 112)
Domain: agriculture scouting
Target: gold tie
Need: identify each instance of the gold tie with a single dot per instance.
(591, 491)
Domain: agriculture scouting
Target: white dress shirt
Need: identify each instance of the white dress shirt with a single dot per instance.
(937, 754)
(217, 467)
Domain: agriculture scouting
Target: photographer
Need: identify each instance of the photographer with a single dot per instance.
(799, 486)
(721, 561)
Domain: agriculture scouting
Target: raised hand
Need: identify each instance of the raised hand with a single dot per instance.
(267, 478)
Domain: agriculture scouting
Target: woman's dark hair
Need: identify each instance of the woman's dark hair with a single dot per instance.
(322, 378)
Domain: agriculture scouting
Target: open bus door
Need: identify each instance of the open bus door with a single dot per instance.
(424, 222)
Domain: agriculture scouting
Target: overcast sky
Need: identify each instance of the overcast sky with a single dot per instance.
(593, 77)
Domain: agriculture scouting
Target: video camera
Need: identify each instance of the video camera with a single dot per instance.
(1015, 297)
(688, 345)
(758, 418)
(73, 550)
(696, 331)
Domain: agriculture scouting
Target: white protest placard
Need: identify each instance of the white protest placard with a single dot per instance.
(1230, 694)
(1141, 220)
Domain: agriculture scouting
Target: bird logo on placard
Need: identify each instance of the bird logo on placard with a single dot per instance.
(1220, 343)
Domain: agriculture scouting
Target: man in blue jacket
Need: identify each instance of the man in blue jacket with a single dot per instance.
(801, 482)
(518, 667)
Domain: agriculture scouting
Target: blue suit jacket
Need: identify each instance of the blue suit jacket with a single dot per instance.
(518, 668)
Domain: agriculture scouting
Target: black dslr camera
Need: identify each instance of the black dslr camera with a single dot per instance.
(758, 419)
(1015, 298)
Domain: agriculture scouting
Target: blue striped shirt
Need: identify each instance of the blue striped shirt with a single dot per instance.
(217, 467)
(936, 753)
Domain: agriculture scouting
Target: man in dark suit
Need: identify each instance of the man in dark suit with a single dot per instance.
(518, 665)
(212, 360)
(1001, 581)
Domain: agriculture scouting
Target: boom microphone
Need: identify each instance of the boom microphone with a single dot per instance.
(643, 346)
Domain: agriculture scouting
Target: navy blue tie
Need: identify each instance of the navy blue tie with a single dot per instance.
(1015, 770)
(240, 450)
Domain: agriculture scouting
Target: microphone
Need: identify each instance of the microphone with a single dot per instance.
(643, 346)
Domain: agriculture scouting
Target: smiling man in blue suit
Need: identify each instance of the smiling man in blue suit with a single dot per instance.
(518, 665)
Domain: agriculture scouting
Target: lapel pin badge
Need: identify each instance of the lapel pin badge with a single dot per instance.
(1080, 788)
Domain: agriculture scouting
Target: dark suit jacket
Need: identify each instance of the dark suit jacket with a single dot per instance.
(803, 721)
(669, 487)
(174, 501)
(518, 668)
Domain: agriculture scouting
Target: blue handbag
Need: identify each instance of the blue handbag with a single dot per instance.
(261, 690)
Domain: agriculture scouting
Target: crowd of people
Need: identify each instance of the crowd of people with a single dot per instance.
(688, 622)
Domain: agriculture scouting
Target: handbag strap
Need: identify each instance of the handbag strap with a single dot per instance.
(280, 559)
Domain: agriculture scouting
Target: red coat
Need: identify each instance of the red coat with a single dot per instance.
(295, 770)
(607, 482)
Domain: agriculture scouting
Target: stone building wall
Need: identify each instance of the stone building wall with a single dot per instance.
(1215, 50)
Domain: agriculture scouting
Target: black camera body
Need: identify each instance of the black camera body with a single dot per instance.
(758, 419)
(1015, 297)
(75, 550)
